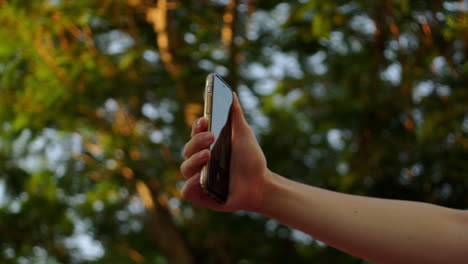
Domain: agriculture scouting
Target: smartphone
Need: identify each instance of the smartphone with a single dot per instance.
(218, 101)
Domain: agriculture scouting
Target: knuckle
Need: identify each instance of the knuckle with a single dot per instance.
(183, 167)
(184, 151)
(197, 136)
(196, 141)
(187, 149)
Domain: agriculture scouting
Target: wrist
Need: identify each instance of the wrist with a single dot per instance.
(271, 191)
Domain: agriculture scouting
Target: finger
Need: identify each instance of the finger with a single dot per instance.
(193, 192)
(239, 123)
(195, 163)
(198, 126)
(199, 142)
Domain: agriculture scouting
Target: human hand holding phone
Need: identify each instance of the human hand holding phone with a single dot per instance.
(361, 226)
(248, 170)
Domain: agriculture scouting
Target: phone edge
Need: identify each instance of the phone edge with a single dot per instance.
(208, 87)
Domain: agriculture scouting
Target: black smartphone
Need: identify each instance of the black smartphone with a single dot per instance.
(218, 101)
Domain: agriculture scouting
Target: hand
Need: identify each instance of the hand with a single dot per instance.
(248, 172)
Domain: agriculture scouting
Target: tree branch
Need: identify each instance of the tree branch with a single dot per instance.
(228, 34)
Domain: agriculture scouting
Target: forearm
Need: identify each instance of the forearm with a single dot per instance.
(385, 231)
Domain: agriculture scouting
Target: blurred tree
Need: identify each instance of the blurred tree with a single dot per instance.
(96, 99)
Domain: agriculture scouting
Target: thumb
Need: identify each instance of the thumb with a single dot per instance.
(238, 122)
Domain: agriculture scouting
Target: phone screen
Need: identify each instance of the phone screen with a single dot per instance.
(221, 106)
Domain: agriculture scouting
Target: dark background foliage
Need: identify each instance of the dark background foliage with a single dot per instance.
(96, 100)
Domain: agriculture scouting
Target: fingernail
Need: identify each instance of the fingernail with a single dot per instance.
(199, 122)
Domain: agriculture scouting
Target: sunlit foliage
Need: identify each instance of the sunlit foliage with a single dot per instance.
(96, 100)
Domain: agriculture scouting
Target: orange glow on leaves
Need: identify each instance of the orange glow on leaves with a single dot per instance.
(127, 173)
(192, 112)
(158, 17)
(162, 200)
(92, 148)
(145, 195)
(394, 29)
(227, 33)
(134, 154)
(95, 176)
(426, 29)
(137, 257)
(134, 2)
(409, 125)
(124, 122)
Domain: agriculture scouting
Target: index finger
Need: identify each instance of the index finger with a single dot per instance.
(198, 126)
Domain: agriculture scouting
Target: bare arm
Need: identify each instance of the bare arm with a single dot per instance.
(380, 230)
(384, 231)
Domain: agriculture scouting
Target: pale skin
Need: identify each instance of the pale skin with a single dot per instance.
(379, 230)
